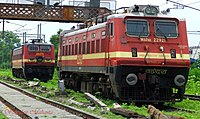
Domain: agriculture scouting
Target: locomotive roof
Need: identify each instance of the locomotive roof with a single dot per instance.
(38, 43)
(25, 44)
(141, 15)
(101, 25)
(67, 33)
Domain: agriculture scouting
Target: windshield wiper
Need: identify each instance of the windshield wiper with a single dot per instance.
(142, 32)
(160, 31)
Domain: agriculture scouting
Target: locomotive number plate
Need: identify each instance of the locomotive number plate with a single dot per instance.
(153, 40)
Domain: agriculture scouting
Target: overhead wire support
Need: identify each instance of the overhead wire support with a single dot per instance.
(184, 5)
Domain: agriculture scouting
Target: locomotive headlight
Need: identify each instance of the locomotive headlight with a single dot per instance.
(173, 53)
(151, 10)
(31, 59)
(161, 48)
(179, 80)
(48, 59)
(131, 79)
(134, 52)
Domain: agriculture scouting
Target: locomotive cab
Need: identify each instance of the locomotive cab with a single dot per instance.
(151, 60)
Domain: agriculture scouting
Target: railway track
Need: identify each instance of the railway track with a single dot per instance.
(23, 114)
(192, 97)
(170, 108)
(80, 112)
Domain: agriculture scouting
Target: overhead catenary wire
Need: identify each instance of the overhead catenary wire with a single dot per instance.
(194, 33)
(184, 5)
(193, 3)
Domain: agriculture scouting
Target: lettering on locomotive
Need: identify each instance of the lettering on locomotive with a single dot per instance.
(156, 71)
(159, 40)
(145, 39)
(154, 40)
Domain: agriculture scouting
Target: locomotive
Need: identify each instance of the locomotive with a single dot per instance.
(34, 59)
(140, 55)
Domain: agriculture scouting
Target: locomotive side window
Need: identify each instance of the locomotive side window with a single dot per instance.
(84, 37)
(33, 48)
(93, 35)
(103, 33)
(137, 28)
(76, 39)
(166, 29)
(45, 48)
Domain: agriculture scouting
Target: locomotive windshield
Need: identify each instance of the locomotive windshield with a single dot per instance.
(137, 28)
(33, 48)
(44, 48)
(166, 29)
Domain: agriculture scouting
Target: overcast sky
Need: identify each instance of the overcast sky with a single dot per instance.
(50, 28)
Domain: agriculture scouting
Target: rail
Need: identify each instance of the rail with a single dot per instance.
(67, 108)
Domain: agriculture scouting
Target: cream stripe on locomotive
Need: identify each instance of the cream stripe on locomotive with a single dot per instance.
(127, 55)
(16, 61)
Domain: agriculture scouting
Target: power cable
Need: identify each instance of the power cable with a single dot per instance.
(184, 5)
(193, 3)
(193, 31)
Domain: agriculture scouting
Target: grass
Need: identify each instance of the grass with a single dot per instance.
(2, 116)
(193, 87)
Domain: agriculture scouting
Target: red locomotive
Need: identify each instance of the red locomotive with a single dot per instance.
(34, 60)
(141, 56)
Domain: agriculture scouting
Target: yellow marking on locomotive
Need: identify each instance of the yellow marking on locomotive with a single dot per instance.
(16, 61)
(94, 56)
(28, 60)
(127, 55)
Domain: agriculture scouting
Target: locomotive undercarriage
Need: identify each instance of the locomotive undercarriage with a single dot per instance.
(154, 84)
(18, 73)
(150, 87)
(85, 82)
(42, 73)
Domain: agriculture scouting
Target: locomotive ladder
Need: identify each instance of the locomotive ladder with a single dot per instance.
(36, 12)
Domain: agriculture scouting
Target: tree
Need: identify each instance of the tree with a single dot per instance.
(10, 41)
(55, 40)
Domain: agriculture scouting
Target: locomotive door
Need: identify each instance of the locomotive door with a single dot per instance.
(109, 33)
